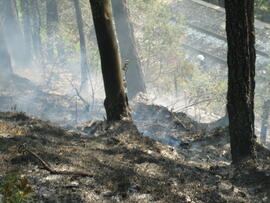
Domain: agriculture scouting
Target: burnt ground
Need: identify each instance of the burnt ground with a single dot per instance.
(159, 157)
(125, 166)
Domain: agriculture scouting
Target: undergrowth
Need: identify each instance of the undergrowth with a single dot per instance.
(15, 189)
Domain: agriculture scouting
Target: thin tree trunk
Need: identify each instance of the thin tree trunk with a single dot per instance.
(265, 116)
(84, 64)
(5, 62)
(175, 78)
(52, 28)
(16, 7)
(241, 83)
(36, 23)
(116, 103)
(27, 30)
(135, 80)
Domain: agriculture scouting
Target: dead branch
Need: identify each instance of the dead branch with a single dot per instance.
(194, 104)
(86, 103)
(24, 149)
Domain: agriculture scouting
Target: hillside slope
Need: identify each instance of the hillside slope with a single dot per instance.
(114, 162)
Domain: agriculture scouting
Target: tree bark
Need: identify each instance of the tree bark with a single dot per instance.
(84, 63)
(241, 83)
(265, 116)
(124, 30)
(116, 102)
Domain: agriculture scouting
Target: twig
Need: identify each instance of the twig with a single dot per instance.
(194, 104)
(87, 105)
(23, 149)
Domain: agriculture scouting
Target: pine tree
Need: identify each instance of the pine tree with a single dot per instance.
(241, 83)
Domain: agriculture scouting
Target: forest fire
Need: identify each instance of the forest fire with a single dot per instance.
(134, 101)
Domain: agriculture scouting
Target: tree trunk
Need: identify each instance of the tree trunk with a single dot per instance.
(5, 63)
(175, 78)
(241, 83)
(12, 32)
(265, 116)
(116, 102)
(84, 64)
(36, 23)
(27, 30)
(52, 27)
(124, 30)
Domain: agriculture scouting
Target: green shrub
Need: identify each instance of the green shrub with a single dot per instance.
(15, 189)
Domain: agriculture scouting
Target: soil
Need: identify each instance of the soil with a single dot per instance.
(123, 165)
(160, 156)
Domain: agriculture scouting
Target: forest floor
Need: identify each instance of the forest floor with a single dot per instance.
(159, 157)
(114, 162)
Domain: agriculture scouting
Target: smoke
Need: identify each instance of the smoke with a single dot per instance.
(181, 45)
(49, 86)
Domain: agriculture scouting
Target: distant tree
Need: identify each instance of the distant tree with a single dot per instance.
(27, 27)
(36, 27)
(124, 30)
(262, 8)
(116, 102)
(241, 83)
(12, 32)
(52, 27)
(263, 101)
(5, 62)
(84, 63)
(159, 32)
(265, 116)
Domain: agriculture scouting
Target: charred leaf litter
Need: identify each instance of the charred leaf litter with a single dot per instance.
(120, 161)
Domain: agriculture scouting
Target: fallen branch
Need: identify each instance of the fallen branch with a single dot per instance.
(23, 149)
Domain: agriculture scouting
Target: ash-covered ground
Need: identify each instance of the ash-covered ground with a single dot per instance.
(160, 156)
(114, 162)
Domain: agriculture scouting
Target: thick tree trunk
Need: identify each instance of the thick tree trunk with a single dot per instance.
(134, 76)
(241, 83)
(84, 64)
(265, 116)
(5, 63)
(116, 103)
